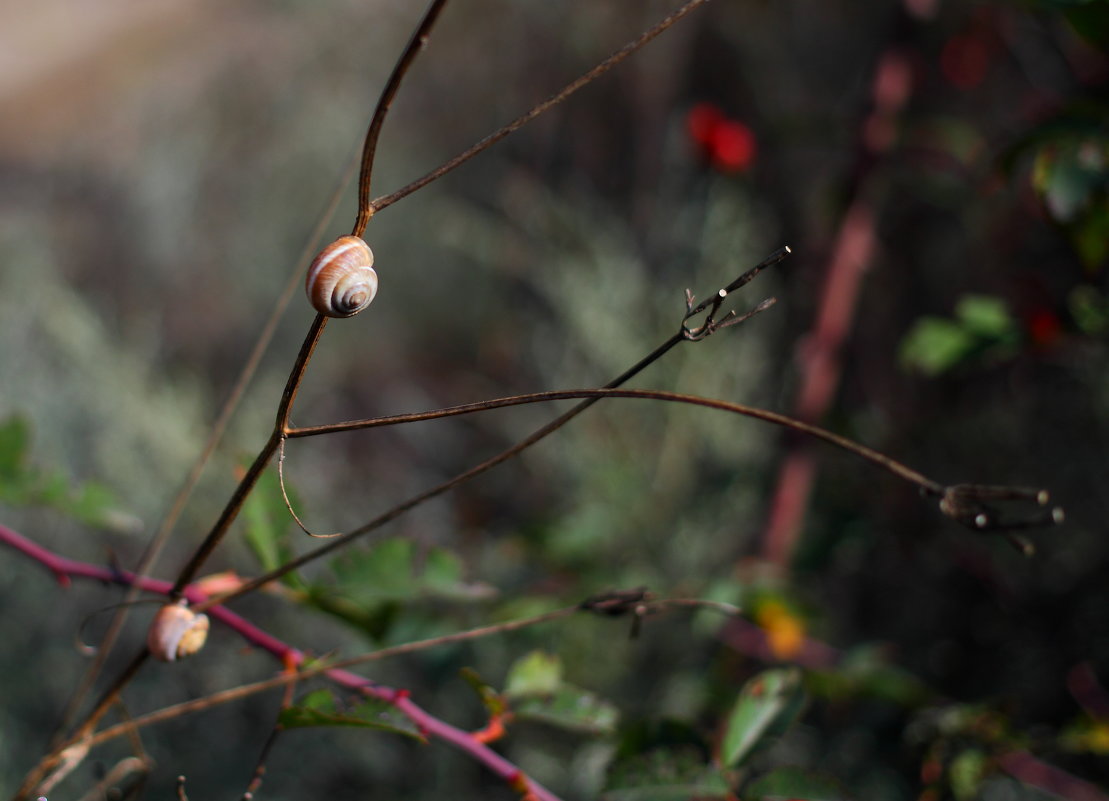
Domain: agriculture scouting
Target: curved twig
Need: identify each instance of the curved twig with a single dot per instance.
(387, 200)
(369, 149)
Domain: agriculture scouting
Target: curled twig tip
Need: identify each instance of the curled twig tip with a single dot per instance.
(975, 506)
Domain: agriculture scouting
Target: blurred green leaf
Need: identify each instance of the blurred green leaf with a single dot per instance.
(767, 706)
(538, 672)
(383, 572)
(966, 773)
(866, 671)
(91, 502)
(985, 316)
(982, 325)
(267, 526)
(266, 520)
(568, 707)
(23, 484)
(391, 571)
(319, 708)
(1090, 235)
(1089, 308)
(676, 773)
(536, 691)
(793, 783)
(15, 437)
(934, 345)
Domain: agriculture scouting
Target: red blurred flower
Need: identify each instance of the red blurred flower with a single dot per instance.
(728, 145)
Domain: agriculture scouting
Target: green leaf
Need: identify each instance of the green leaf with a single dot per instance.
(676, 773)
(536, 673)
(381, 573)
(15, 435)
(934, 345)
(966, 773)
(442, 577)
(985, 315)
(568, 707)
(535, 691)
(982, 325)
(767, 706)
(267, 522)
(866, 671)
(319, 708)
(793, 783)
(391, 571)
(23, 484)
(92, 503)
(1090, 235)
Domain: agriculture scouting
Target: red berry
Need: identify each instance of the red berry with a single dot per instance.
(733, 146)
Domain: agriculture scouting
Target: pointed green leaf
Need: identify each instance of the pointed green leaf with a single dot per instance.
(767, 706)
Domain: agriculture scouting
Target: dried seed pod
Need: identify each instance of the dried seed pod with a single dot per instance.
(176, 632)
(341, 279)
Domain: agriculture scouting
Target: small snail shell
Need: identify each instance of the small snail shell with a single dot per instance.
(341, 280)
(176, 632)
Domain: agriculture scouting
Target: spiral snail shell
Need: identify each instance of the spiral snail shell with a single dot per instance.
(176, 632)
(341, 279)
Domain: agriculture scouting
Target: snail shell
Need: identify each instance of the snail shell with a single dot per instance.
(341, 280)
(176, 632)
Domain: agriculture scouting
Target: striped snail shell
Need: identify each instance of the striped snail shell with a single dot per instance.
(176, 632)
(341, 280)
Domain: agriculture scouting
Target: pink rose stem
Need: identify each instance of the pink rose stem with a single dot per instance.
(819, 356)
(65, 569)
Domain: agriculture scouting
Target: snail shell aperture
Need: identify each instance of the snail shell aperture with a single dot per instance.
(176, 632)
(341, 280)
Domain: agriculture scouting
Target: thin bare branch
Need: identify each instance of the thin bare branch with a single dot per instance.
(387, 200)
(591, 396)
(234, 505)
(416, 44)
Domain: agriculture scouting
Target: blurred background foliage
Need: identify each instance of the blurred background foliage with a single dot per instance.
(164, 162)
